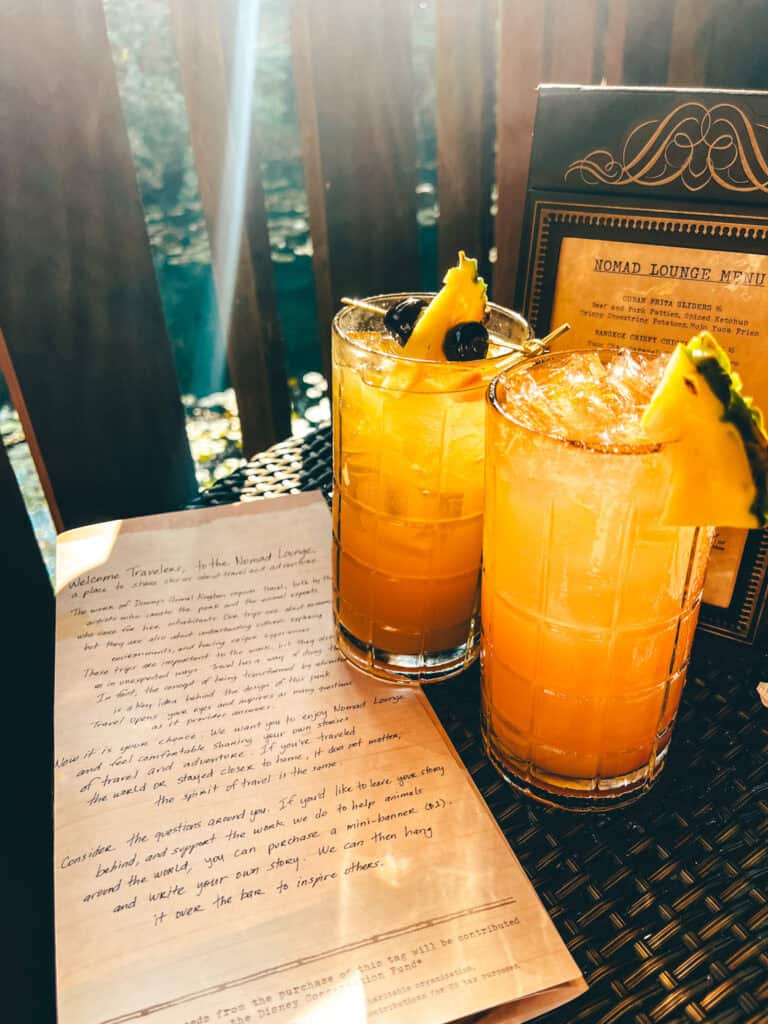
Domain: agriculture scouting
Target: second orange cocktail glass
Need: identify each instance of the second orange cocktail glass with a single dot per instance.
(589, 600)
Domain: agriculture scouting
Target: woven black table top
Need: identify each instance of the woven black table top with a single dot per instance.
(663, 905)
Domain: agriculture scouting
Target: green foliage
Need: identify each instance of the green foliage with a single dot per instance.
(156, 120)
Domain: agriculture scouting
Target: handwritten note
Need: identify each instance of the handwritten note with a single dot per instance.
(246, 829)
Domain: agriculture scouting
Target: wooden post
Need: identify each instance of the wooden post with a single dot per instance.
(79, 304)
(538, 42)
(648, 35)
(216, 43)
(354, 83)
(521, 69)
(615, 30)
(466, 63)
(572, 25)
(691, 42)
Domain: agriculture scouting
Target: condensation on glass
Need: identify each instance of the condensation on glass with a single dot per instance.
(589, 609)
(408, 498)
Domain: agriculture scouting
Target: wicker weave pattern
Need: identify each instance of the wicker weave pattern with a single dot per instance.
(298, 464)
(664, 904)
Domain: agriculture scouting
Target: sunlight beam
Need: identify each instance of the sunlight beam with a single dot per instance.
(230, 220)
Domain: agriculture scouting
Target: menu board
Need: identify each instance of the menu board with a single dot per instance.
(646, 222)
(651, 297)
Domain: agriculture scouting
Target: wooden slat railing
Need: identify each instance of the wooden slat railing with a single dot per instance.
(306, 105)
(612, 56)
(647, 41)
(692, 24)
(354, 82)
(81, 313)
(86, 350)
(79, 305)
(465, 81)
(215, 43)
(522, 66)
(554, 41)
(572, 25)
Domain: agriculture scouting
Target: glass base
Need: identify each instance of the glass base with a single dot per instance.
(572, 794)
(406, 669)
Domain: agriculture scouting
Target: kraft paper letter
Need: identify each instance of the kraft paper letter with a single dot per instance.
(246, 829)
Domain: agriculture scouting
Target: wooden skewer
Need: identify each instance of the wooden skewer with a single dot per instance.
(367, 307)
(534, 346)
(554, 334)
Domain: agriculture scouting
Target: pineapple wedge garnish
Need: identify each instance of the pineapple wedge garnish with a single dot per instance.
(714, 439)
(460, 300)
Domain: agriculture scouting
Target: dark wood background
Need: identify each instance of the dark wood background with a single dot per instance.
(83, 345)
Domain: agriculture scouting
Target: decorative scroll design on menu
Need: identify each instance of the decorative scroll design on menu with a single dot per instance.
(694, 145)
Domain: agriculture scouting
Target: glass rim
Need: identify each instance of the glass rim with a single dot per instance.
(644, 448)
(339, 327)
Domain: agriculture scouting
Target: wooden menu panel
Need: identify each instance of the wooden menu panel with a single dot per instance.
(647, 221)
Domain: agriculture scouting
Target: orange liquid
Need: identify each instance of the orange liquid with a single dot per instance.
(407, 510)
(589, 607)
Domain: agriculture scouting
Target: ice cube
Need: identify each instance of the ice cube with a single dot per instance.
(530, 405)
(581, 397)
(636, 374)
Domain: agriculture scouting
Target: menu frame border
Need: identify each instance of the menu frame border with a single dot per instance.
(554, 216)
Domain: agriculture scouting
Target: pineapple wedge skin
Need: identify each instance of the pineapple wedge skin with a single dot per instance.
(713, 479)
(461, 299)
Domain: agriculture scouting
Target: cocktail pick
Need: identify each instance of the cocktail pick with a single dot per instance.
(543, 342)
(367, 307)
(532, 347)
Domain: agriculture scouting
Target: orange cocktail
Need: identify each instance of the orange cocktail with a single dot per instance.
(589, 602)
(408, 497)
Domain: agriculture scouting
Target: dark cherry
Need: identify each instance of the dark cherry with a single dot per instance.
(401, 318)
(465, 342)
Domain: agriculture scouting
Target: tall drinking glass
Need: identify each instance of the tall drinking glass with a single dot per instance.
(408, 460)
(589, 602)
